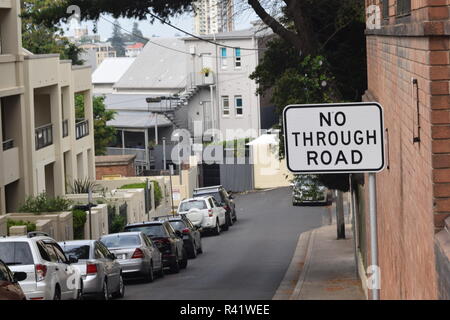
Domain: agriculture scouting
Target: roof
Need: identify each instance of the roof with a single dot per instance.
(157, 66)
(138, 120)
(137, 45)
(111, 70)
(265, 139)
(236, 34)
(114, 160)
(131, 102)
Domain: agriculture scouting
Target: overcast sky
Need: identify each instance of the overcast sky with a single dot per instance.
(185, 22)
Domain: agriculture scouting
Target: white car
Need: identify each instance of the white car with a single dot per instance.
(50, 274)
(204, 212)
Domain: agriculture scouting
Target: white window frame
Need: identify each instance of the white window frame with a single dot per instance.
(223, 59)
(227, 109)
(238, 59)
(236, 108)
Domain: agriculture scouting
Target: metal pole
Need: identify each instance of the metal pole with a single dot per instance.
(156, 129)
(90, 213)
(374, 235)
(164, 152)
(171, 189)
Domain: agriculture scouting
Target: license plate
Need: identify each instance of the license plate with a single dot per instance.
(123, 256)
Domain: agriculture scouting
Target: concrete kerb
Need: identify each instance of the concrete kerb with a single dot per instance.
(289, 284)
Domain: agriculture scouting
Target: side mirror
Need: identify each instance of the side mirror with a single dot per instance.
(73, 259)
(113, 256)
(19, 276)
(178, 233)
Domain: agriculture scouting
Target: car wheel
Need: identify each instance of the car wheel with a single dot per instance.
(57, 294)
(120, 293)
(150, 275)
(231, 221)
(200, 248)
(217, 228)
(175, 266)
(184, 262)
(235, 217)
(226, 226)
(80, 291)
(105, 291)
(192, 251)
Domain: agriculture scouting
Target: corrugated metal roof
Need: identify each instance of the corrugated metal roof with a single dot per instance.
(157, 67)
(132, 102)
(111, 70)
(138, 120)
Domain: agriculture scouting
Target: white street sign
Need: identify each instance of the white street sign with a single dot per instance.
(334, 138)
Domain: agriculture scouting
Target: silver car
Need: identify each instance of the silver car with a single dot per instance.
(136, 253)
(99, 268)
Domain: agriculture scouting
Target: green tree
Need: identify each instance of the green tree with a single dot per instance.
(104, 135)
(137, 35)
(41, 39)
(118, 40)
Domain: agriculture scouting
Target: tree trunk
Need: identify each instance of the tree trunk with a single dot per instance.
(340, 221)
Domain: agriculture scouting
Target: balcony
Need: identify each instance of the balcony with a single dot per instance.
(81, 129)
(8, 144)
(44, 136)
(65, 128)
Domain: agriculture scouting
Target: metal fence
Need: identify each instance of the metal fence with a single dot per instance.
(44, 136)
(82, 129)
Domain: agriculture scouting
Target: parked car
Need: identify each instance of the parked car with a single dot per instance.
(308, 190)
(223, 197)
(9, 283)
(136, 254)
(101, 272)
(168, 241)
(205, 212)
(190, 233)
(50, 274)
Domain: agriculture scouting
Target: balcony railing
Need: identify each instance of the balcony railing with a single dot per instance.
(82, 129)
(8, 144)
(65, 128)
(44, 136)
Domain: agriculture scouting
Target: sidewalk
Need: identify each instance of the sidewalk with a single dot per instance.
(322, 268)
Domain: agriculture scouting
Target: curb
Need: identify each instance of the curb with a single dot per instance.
(298, 287)
(290, 283)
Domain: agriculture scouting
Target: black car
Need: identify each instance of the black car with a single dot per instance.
(168, 241)
(191, 234)
(223, 198)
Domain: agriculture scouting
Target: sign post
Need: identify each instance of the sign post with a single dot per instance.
(339, 138)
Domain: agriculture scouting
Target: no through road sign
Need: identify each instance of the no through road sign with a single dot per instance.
(334, 138)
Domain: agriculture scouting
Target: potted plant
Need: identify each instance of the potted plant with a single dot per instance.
(206, 71)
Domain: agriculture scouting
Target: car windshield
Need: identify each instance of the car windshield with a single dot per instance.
(193, 204)
(216, 196)
(81, 252)
(154, 230)
(178, 224)
(121, 241)
(16, 253)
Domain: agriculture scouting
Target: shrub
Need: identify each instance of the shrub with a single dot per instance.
(118, 224)
(81, 186)
(79, 220)
(158, 193)
(43, 203)
(12, 223)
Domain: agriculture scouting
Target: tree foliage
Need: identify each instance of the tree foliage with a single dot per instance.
(118, 40)
(41, 39)
(104, 135)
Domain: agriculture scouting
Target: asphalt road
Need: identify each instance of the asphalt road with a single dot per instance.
(248, 261)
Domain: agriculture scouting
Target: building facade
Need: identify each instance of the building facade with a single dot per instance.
(213, 16)
(44, 145)
(409, 73)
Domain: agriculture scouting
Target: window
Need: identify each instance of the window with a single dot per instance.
(60, 254)
(385, 9)
(4, 273)
(403, 7)
(225, 106)
(238, 105)
(223, 57)
(237, 58)
(16, 253)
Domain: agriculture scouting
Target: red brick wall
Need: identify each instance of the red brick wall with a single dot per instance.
(414, 194)
(123, 170)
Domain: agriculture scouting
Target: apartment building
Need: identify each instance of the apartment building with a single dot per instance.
(44, 145)
(409, 73)
(213, 16)
(95, 53)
